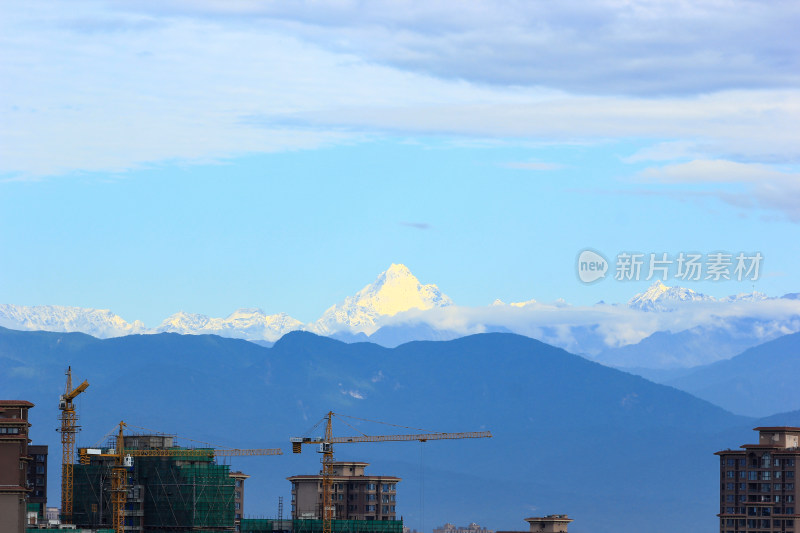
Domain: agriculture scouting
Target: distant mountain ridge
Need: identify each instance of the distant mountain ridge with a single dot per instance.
(398, 308)
(564, 428)
(760, 381)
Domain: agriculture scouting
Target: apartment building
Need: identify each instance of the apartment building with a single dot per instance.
(37, 480)
(355, 495)
(14, 460)
(758, 483)
(238, 498)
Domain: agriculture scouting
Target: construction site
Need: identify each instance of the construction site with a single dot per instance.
(140, 481)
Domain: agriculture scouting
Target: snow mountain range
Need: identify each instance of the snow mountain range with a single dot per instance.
(397, 308)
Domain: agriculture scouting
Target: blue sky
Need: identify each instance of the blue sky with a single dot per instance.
(206, 156)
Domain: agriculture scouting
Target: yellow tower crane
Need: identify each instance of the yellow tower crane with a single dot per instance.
(69, 427)
(123, 460)
(326, 449)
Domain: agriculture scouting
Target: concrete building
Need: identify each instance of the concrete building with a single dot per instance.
(552, 523)
(238, 497)
(355, 496)
(37, 481)
(14, 460)
(174, 491)
(472, 528)
(758, 490)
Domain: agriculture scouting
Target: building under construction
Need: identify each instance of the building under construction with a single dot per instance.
(165, 493)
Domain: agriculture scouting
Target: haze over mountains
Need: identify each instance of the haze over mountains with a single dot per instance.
(664, 327)
(570, 436)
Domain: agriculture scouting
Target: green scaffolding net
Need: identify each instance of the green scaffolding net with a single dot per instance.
(166, 495)
(349, 526)
(255, 525)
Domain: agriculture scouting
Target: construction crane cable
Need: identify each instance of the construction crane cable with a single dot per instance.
(354, 428)
(106, 436)
(310, 431)
(384, 423)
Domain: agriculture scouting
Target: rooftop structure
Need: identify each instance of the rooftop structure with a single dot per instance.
(472, 528)
(553, 523)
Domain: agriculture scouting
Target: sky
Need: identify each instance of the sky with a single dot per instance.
(205, 156)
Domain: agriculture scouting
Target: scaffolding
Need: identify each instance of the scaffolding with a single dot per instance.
(349, 526)
(179, 494)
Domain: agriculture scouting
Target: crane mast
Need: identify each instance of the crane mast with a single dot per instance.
(326, 448)
(69, 427)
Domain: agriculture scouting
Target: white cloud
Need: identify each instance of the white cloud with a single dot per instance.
(607, 46)
(353, 394)
(94, 86)
(760, 186)
(611, 325)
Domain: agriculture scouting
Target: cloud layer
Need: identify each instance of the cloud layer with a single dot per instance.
(711, 89)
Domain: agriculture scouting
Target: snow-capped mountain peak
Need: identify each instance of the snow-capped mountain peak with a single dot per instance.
(659, 297)
(394, 291)
(97, 322)
(246, 323)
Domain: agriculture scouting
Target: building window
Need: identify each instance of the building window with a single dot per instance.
(237, 506)
(239, 483)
